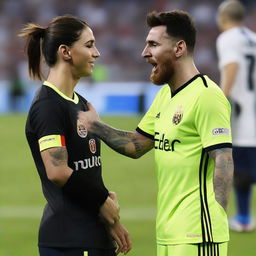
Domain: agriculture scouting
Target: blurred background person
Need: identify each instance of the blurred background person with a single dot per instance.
(16, 91)
(236, 48)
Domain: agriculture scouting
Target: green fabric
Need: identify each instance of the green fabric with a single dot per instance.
(184, 125)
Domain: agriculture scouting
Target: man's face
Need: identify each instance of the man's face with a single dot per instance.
(159, 52)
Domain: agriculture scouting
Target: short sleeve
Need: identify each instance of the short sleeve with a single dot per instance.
(228, 50)
(212, 119)
(48, 123)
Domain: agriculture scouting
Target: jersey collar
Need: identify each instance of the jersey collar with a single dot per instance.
(75, 100)
(185, 85)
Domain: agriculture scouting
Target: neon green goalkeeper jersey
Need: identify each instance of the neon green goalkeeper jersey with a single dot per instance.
(185, 125)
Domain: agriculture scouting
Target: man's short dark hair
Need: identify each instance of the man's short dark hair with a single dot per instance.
(179, 25)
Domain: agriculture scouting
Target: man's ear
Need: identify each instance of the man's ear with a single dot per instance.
(64, 52)
(180, 48)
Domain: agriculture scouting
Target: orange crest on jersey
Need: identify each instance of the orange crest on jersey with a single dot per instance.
(92, 145)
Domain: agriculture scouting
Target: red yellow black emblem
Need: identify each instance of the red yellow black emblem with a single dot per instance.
(92, 145)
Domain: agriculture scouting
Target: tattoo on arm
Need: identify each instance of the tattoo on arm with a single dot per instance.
(123, 142)
(223, 174)
(59, 156)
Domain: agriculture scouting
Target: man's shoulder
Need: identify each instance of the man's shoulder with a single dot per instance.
(210, 90)
(236, 36)
(230, 36)
(236, 31)
(205, 84)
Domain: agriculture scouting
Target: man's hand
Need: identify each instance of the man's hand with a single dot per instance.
(89, 117)
(110, 211)
(131, 144)
(119, 233)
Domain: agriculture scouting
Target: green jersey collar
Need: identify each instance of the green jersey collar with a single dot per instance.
(173, 93)
(75, 100)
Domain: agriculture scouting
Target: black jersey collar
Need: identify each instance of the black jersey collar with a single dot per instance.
(75, 100)
(173, 93)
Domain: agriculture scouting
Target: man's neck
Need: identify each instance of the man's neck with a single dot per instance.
(231, 25)
(183, 73)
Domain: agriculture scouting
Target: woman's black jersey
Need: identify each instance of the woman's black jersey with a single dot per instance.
(52, 122)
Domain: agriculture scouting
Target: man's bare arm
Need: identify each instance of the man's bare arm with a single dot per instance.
(228, 76)
(223, 174)
(131, 144)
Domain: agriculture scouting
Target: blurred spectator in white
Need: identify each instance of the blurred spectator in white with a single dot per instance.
(236, 46)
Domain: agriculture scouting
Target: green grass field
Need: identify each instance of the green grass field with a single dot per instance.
(21, 199)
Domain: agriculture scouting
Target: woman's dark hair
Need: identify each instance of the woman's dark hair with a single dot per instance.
(64, 29)
(179, 24)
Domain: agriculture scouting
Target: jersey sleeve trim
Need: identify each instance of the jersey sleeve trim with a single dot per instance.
(217, 146)
(51, 141)
(144, 133)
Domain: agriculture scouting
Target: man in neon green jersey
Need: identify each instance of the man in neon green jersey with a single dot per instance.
(188, 125)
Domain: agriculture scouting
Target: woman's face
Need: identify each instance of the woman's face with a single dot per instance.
(83, 54)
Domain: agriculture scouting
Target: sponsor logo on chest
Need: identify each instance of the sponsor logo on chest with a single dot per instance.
(87, 163)
(164, 144)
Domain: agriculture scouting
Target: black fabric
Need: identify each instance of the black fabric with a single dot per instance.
(217, 146)
(145, 134)
(244, 166)
(65, 223)
(86, 190)
(44, 251)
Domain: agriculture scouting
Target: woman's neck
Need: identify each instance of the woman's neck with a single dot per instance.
(63, 80)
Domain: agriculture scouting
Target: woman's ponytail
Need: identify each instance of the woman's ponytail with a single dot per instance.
(34, 34)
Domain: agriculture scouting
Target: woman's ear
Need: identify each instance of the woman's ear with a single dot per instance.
(64, 52)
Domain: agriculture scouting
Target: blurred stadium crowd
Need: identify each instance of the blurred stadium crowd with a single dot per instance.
(120, 30)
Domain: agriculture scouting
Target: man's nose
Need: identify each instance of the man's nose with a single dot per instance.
(145, 53)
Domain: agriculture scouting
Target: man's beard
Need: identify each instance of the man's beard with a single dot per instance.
(163, 75)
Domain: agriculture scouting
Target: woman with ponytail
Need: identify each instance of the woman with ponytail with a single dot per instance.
(81, 216)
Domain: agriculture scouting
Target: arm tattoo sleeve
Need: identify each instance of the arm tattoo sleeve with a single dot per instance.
(123, 142)
(223, 174)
